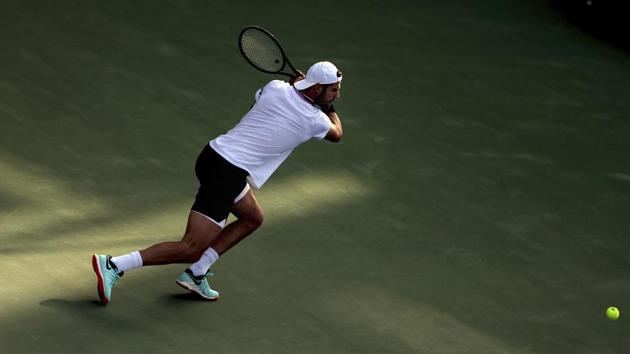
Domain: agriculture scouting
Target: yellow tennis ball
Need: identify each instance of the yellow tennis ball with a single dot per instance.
(612, 313)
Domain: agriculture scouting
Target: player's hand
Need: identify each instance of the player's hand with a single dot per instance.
(300, 76)
(327, 108)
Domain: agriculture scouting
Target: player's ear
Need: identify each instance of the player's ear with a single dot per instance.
(318, 89)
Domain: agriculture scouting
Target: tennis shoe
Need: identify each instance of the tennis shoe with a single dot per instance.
(107, 274)
(197, 284)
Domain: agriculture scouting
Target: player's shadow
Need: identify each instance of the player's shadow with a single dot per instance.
(179, 298)
(81, 305)
(186, 296)
(71, 305)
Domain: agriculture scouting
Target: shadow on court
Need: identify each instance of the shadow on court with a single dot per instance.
(603, 19)
(478, 202)
(88, 304)
(72, 306)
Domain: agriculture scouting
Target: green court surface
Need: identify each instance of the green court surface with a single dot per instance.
(478, 203)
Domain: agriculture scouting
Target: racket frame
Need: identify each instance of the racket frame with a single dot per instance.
(273, 38)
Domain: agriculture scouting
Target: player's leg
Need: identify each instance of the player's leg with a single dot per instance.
(230, 190)
(249, 217)
(220, 182)
(200, 232)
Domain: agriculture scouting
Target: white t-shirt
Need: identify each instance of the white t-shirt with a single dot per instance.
(280, 120)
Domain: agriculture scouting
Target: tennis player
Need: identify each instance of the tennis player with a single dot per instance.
(284, 115)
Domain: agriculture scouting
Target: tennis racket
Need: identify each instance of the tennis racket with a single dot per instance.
(263, 51)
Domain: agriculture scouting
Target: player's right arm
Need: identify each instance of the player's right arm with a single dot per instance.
(298, 76)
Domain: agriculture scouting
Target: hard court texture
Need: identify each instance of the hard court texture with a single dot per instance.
(478, 202)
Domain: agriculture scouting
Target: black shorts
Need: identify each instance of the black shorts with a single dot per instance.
(220, 183)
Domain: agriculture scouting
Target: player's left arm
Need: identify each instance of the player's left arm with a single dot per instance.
(336, 131)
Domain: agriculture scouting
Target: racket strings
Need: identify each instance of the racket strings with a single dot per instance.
(262, 50)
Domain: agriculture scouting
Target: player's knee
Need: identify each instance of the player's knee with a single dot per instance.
(255, 219)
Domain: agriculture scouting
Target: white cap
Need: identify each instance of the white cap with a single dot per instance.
(323, 73)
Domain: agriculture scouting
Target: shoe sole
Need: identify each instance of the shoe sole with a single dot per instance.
(99, 276)
(193, 290)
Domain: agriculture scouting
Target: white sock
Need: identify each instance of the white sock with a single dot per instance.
(203, 264)
(129, 261)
